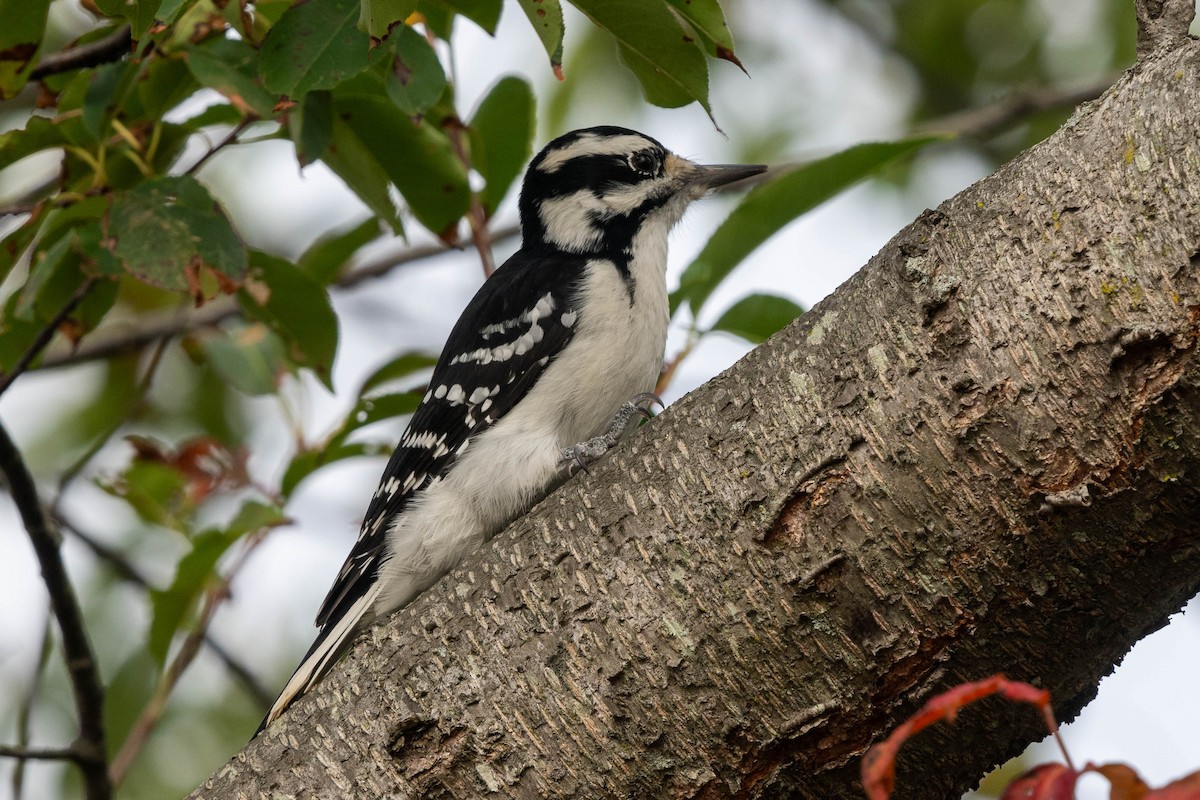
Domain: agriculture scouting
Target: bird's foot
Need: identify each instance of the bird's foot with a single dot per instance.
(584, 453)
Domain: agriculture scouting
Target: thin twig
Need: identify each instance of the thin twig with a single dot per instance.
(984, 122)
(40, 754)
(102, 51)
(46, 334)
(89, 747)
(229, 139)
(476, 216)
(152, 713)
(25, 712)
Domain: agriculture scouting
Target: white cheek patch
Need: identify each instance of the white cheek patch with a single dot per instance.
(571, 221)
(592, 145)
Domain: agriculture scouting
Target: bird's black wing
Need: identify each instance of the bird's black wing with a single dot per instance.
(517, 323)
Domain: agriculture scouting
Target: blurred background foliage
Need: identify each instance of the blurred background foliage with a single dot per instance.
(229, 257)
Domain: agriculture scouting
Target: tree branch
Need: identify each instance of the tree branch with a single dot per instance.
(984, 122)
(89, 747)
(38, 754)
(102, 51)
(975, 456)
(1162, 23)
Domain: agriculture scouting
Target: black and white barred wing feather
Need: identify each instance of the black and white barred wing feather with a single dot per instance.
(517, 323)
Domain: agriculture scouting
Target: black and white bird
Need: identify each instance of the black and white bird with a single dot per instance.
(545, 367)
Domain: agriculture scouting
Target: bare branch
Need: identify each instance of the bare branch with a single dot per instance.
(89, 747)
(39, 754)
(1162, 21)
(476, 215)
(25, 711)
(102, 51)
(230, 138)
(984, 122)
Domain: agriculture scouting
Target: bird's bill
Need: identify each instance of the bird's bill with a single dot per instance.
(713, 175)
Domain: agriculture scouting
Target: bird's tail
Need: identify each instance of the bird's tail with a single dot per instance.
(333, 640)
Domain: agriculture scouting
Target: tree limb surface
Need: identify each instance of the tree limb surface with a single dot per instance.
(981, 454)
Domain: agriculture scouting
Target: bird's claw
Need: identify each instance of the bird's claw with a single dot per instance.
(583, 453)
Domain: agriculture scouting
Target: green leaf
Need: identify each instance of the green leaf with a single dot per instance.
(355, 164)
(172, 606)
(502, 132)
(377, 17)
(757, 316)
(16, 336)
(129, 689)
(325, 260)
(401, 366)
(107, 86)
(40, 134)
(20, 37)
(154, 490)
(43, 293)
(658, 88)
(14, 245)
(231, 67)
(417, 157)
(415, 80)
(377, 408)
(250, 360)
(708, 20)
(163, 84)
(140, 13)
(168, 231)
(219, 114)
(297, 308)
(546, 17)
(311, 126)
(254, 516)
(315, 45)
(309, 461)
(484, 13)
(664, 57)
(774, 204)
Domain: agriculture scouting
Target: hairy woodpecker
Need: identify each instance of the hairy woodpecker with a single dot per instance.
(538, 372)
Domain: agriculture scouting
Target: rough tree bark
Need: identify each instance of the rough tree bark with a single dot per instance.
(981, 454)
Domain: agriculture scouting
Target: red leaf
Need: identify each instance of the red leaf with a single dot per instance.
(205, 463)
(879, 764)
(1186, 788)
(1125, 782)
(1043, 782)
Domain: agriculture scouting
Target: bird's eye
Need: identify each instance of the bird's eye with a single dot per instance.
(643, 162)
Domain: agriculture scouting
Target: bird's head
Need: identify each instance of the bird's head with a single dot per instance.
(593, 190)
